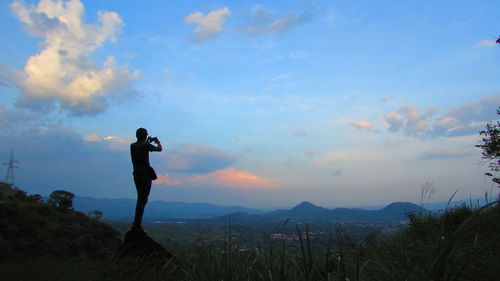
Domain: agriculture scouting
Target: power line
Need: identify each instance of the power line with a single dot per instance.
(9, 176)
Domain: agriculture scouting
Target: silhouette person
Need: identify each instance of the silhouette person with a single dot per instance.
(143, 172)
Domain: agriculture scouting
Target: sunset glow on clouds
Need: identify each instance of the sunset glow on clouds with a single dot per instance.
(233, 178)
(363, 125)
(165, 179)
(227, 178)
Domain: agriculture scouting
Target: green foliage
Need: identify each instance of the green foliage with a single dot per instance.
(491, 148)
(9, 192)
(61, 199)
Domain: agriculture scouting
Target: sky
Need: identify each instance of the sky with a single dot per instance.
(259, 104)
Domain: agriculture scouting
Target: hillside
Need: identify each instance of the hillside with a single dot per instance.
(31, 228)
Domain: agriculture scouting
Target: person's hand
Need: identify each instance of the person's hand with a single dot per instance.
(154, 139)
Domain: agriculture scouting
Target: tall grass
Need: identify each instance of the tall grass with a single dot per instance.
(462, 244)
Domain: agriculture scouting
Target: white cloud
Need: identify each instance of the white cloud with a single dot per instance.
(467, 118)
(112, 142)
(447, 122)
(395, 121)
(486, 43)
(62, 74)
(415, 122)
(208, 26)
(263, 22)
(363, 125)
(409, 120)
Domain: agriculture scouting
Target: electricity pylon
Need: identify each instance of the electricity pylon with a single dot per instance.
(9, 176)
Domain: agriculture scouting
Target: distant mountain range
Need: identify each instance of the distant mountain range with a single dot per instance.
(204, 213)
(307, 212)
(123, 209)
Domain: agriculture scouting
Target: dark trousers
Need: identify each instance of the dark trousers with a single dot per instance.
(143, 187)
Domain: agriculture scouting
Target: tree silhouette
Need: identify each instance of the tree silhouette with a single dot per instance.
(491, 148)
(61, 199)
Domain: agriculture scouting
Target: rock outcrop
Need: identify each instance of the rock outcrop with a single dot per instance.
(139, 244)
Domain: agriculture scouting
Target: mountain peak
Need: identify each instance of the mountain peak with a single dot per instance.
(304, 205)
(307, 208)
(406, 206)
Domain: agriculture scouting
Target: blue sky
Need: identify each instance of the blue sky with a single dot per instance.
(258, 104)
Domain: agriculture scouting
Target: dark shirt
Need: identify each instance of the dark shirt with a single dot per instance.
(139, 152)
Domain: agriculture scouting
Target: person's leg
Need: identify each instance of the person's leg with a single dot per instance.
(143, 187)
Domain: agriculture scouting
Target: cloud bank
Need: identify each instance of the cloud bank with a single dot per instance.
(197, 158)
(56, 157)
(62, 75)
(466, 119)
(409, 119)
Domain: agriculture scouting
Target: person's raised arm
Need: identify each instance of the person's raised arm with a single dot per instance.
(158, 145)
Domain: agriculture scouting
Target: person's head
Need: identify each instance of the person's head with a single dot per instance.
(141, 134)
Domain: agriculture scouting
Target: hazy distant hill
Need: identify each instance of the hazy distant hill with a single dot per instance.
(310, 213)
(123, 209)
(306, 211)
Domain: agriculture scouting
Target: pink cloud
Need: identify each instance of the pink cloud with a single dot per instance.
(233, 178)
(166, 180)
(229, 178)
(363, 125)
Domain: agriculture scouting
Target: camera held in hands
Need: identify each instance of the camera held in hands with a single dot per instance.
(153, 139)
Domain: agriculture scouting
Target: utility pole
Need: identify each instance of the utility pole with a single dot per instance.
(9, 176)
